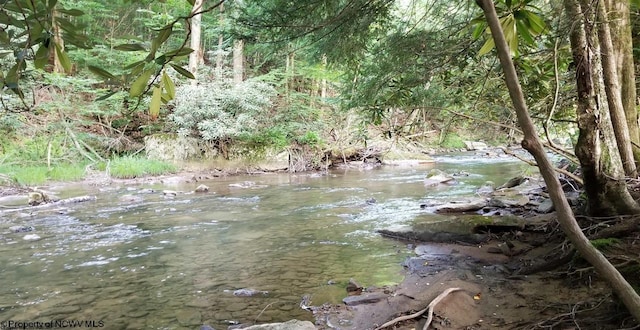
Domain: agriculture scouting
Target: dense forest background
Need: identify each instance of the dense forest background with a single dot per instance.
(127, 88)
(88, 80)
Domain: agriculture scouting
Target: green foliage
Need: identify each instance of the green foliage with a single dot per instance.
(128, 167)
(309, 138)
(221, 110)
(604, 243)
(518, 19)
(39, 174)
(452, 141)
(274, 137)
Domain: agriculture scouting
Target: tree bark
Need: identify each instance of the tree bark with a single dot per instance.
(220, 53)
(596, 148)
(532, 143)
(54, 60)
(620, 26)
(238, 61)
(196, 58)
(614, 93)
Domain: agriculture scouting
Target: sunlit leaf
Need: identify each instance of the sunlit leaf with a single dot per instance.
(183, 71)
(140, 84)
(477, 32)
(487, 47)
(169, 86)
(156, 99)
(537, 24)
(63, 58)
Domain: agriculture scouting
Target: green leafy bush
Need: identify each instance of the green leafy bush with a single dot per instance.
(220, 110)
(452, 141)
(310, 138)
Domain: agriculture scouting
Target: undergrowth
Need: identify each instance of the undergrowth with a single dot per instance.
(129, 167)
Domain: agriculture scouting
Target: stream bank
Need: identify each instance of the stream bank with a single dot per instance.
(494, 295)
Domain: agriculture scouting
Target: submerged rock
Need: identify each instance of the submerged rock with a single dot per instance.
(21, 229)
(202, 189)
(31, 237)
(248, 292)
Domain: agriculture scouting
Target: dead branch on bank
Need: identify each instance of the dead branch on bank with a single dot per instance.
(429, 308)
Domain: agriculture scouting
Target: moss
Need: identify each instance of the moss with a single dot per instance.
(604, 243)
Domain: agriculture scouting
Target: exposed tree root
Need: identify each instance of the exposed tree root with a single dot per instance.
(429, 308)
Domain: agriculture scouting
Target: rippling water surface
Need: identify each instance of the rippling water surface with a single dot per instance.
(173, 263)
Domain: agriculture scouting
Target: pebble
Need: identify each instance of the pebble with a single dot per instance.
(31, 237)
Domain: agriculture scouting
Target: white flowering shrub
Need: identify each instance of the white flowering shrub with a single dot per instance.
(219, 109)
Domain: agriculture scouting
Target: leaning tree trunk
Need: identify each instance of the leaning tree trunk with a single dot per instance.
(596, 148)
(614, 93)
(620, 26)
(532, 143)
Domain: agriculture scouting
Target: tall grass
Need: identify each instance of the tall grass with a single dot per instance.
(128, 167)
(39, 174)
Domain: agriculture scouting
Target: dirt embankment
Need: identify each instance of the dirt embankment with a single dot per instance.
(529, 279)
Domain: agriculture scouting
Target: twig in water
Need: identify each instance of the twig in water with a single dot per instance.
(262, 311)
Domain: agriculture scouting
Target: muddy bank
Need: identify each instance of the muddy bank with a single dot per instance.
(490, 290)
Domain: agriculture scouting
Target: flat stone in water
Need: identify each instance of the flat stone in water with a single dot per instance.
(235, 307)
(188, 317)
(199, 303)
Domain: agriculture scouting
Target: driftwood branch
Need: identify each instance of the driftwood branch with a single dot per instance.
(429, 308)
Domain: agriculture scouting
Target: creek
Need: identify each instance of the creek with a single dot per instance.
(174, 263)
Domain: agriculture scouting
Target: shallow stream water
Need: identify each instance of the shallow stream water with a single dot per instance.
(174, 263)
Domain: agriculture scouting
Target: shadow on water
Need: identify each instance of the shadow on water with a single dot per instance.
(169, 263)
